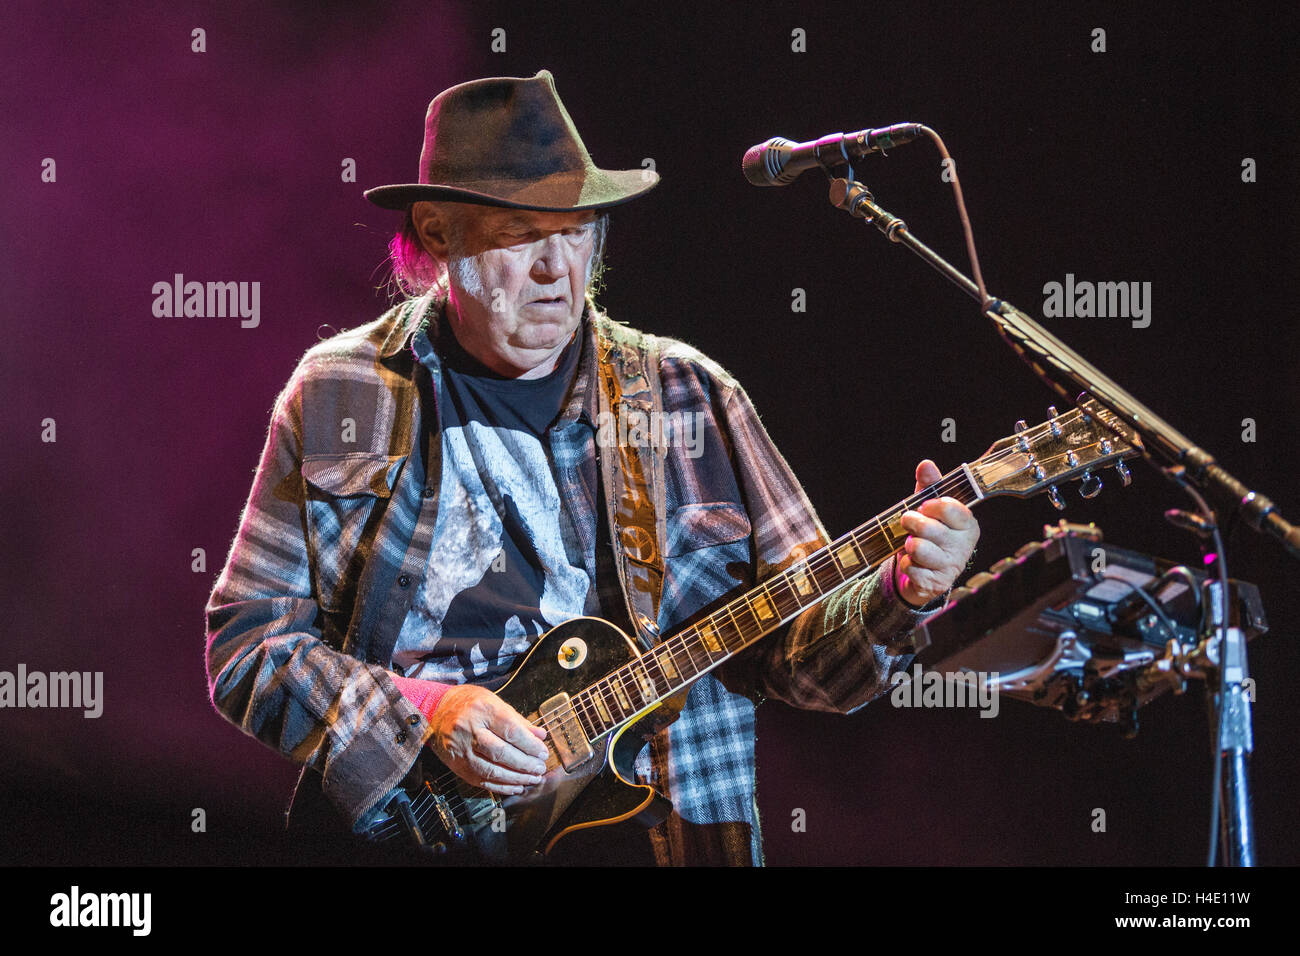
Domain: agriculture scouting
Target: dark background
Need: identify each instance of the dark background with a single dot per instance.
(225, 165)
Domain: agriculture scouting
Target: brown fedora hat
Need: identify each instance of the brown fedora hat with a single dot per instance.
(509, 141)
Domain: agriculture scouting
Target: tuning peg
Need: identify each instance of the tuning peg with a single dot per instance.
(1089, 485)
(1052, 426)
(1055, 498)
(1021, 425)
(1121, 469)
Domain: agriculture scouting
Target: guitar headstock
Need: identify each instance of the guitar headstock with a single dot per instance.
(1077, 443)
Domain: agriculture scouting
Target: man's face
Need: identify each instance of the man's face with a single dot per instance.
(518, 283)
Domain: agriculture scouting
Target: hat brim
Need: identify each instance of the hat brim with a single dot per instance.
(560, 192)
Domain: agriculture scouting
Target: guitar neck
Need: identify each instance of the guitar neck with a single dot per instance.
(678, 660)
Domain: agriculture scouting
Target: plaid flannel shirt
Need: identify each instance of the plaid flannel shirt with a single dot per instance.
(291, 664)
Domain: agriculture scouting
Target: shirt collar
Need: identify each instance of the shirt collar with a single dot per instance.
(411, 316)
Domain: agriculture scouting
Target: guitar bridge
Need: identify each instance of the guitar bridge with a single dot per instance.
(565, 732)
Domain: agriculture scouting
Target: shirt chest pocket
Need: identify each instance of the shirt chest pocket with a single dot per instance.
(709, 552)
(343, 494)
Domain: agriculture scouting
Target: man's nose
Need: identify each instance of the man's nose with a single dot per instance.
(552, 260)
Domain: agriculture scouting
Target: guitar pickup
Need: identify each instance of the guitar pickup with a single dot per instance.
(565, 732)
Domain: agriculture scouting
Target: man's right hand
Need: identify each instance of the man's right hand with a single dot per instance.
(486, 742)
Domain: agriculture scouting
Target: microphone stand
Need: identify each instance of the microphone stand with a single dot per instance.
(1184, 463)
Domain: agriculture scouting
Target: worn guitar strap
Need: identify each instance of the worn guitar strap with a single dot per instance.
(632, 468)
(632, 472)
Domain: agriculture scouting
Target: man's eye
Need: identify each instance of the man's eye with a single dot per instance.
(576, 235)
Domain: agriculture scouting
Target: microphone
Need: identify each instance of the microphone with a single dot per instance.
(778, 161)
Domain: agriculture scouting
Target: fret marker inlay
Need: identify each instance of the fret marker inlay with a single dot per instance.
(710, 638)
(894, 532)
(646, 687)
(802, 584)
(666, 662)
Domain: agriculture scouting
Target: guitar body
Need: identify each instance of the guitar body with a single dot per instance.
(462, 823)
(599, 791)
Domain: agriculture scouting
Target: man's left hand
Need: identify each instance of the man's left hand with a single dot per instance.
(941, 538)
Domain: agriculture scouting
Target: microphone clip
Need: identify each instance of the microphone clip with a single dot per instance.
(855, 199)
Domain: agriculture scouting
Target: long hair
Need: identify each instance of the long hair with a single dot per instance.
(413, 271)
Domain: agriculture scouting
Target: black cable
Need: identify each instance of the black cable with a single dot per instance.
(985, 302)
(1151, 602)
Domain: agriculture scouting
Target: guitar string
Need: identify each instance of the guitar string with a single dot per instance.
(815, 565)
(424, 804)
(717, 621)
(457, 801)
(581, 708)
(954, 481)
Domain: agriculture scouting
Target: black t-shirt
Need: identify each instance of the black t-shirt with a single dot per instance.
(499, 574)
(473, 392)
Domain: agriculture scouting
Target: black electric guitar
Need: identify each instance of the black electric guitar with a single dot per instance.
(598, 695)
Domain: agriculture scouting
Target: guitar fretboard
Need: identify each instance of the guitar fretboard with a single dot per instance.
(678, 660)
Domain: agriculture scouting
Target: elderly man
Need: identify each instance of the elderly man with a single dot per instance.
(443, 486)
